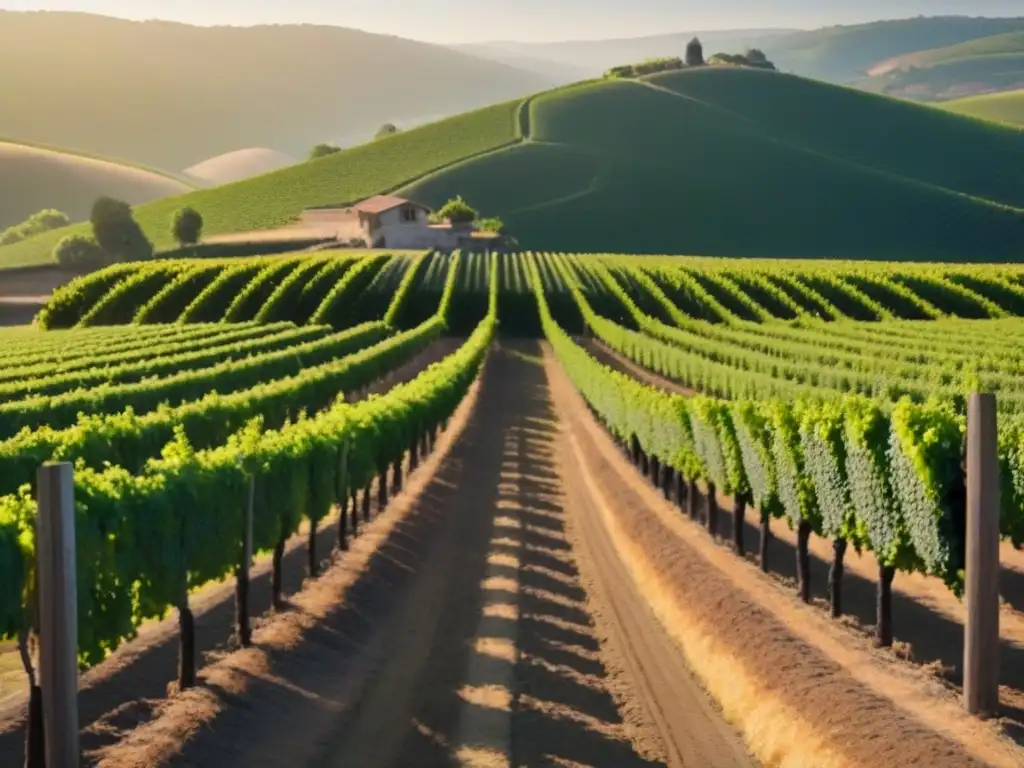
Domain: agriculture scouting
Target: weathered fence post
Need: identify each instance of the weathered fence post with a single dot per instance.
(981, 635)
(58, 612)
(244, 625)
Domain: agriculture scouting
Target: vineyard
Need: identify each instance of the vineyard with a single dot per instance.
(824, 397)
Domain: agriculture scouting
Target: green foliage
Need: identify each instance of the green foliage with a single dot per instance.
(178, 523)
(71, 301)
(647, 67)
(752, 58)
(117, 232)
(36, 224)
(795, 486)
(925, 459)
(694, 53)
(322, 150)
(457, 211)
(80, 252)
(187, 226)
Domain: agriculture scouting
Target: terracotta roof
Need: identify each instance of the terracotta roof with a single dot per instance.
(382, 203)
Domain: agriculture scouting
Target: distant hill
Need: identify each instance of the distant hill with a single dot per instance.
(591, 58)
(837, 54)
(238, 165)
(173, 95)
(713, 161)
(557, 71)
(982, 65)
(33, 178)
(1005, 107)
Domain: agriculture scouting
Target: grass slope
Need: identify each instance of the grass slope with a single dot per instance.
(724, 161)
(998, 107)
(36, 177)
(75, 79)
(273, 199)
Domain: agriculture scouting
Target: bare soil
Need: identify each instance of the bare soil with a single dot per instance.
(468, 637)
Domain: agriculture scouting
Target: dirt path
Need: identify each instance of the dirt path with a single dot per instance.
(512, 670)
(127, 689)
(468, 637)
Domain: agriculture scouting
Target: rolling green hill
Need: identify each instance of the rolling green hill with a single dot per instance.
(717, 161)
(173, 95)
(985, 64)
(726, 162)
(1007, 107)
(35, 177)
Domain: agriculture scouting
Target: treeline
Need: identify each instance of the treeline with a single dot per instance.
(752, 58)
(648, 67)
(36, 224)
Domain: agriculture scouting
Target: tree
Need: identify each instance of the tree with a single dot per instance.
(694, 53)
(79, 252)
(323, 150)
(36, 224)
(388, 129)
(457, 211)
(187, 226)
(117, 232)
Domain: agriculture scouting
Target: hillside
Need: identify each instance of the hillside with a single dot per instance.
(273, 199)
(34, 178)
(724, 162)
(716, 161)
(199, 92)
(238, 165)
(838, 54)
(978, 66)
(999, 107)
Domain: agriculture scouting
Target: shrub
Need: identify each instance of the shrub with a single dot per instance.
(694, 53)
(117, 232)
(492, 224)
(457, 211)
(322, 150)
(388, 129)
(36, 224)
(752, 58)
(79, 252)
(648, 67)
(187, 226)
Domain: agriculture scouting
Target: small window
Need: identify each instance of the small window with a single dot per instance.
(409, 214)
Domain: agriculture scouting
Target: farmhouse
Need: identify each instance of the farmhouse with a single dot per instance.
(386, 221)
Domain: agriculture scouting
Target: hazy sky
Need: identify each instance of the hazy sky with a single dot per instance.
(479, 20)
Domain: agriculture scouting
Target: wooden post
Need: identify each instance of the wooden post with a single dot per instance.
(244, 626)
(981, 635)
(58, 612)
